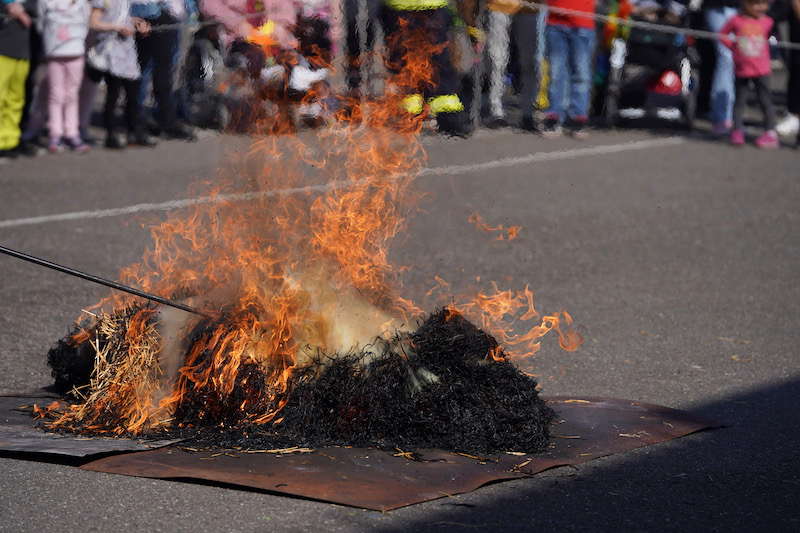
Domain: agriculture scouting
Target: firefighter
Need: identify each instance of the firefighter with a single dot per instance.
(435, 19)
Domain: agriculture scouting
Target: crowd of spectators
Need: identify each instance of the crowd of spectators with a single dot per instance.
(54, 55)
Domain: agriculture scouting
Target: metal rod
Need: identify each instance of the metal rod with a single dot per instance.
(99, 280)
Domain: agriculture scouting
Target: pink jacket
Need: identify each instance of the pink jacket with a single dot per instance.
(231, 13)
(751, 48)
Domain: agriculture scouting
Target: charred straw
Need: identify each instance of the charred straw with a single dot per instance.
(443, 392)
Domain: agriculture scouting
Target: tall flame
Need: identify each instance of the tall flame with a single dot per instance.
(292, 255)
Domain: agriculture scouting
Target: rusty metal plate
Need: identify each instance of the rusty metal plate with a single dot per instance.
(18, 434)
(587, 428)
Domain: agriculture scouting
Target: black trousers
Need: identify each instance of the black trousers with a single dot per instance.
(524, 39)
(435, 23)
(793, 88)
(158, 47)
(761, 86)
(354, 37)
(114, 87)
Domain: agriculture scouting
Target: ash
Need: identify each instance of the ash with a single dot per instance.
(434, 388)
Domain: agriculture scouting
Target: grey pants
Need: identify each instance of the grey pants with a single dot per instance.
(761, 85)
(526, 39)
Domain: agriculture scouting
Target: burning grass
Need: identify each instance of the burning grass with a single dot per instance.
(310, 342)
(442, 386)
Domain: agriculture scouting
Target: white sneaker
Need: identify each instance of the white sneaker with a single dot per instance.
(788, 125)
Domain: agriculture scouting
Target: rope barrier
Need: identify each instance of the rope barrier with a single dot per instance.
(663, 28)
(697, 34)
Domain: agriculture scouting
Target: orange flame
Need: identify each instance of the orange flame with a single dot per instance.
(287, 275)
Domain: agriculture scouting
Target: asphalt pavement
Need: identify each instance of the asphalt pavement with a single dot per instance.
(677, 255)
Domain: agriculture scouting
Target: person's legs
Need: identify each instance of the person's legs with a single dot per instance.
(73, 75)
(163, 81)
(37, 110)
(13, 73)
(765, 100)
(144, 50)
(443, 98)
(526, 44)
(132, 119)
(793, 88)
(497, 48)
(557, 53)
(742, 94)
(355, 25)
(722, 86)
(580, 64)
(113, 88)
(768, 139)
(56, 76)
(86, 99)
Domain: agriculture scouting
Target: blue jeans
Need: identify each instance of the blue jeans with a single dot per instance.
(570, 52)
(722, 87)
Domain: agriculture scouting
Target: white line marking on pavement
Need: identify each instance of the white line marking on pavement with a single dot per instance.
(448, 170)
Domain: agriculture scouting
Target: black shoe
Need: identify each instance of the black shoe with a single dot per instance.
(495, 123)
(8, 154)
(528, 124)
(115, 142)
(141, 139)
(551, 127)
(181, 133)
(87, 137)
(454, 124)
(28, 149)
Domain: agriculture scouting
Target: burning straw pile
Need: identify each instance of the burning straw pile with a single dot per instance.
(308, 336)
(433, 388)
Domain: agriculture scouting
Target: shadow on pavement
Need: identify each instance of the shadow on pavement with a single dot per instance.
(745, 476)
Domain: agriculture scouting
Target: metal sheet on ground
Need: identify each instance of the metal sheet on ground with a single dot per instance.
(18, 433)
(587, 428)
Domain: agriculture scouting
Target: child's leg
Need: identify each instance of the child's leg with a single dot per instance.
(37, 112)
(13, 73)
(113, 88)
(56, 74)
(557, 52)
(581, 51)
(73, 75)
(86, 97)
(740, 103)
(765, 99)
(135, 127)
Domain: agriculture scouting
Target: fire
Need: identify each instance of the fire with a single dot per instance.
(510, 233)
(292, 260)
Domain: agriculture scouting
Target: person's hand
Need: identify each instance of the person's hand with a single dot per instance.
(141, 26)
(17, 11)
(125, 31)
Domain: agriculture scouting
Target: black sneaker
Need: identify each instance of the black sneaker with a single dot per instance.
(28, 149)
(495, 123)
(528, 124)
(8, 154)
(141, 139)
(115, 142)
(454, 124)
(551, 128)
(181, 133)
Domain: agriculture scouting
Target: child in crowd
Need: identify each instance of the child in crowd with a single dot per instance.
(570, 48)
(751, 28)
(64, 25)
(15, 23)
(113, 56)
